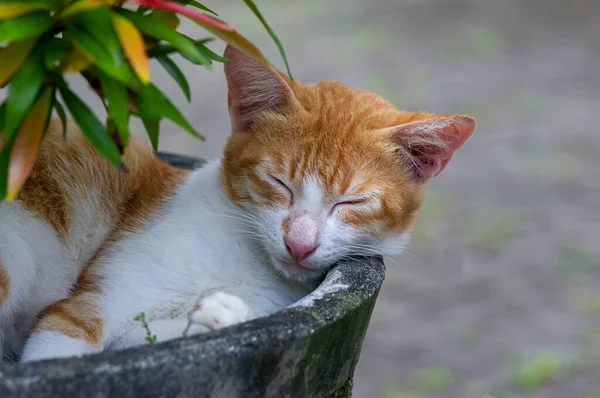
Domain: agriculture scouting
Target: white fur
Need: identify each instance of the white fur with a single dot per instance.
(39, 269)
(202, 247)
(213, 312)
(47, 345)
(310, 214)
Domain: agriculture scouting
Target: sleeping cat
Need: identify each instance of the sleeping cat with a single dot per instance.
(310, 174)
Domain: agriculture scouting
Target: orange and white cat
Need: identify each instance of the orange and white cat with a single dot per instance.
(310, 174)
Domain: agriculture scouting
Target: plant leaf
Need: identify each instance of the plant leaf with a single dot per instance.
(133, 45)
(23, 90)
(15, 9)
(76, 61)
(12, 57)
(165, 49)
(84, 5)
(4, 160)
(55, 51)
(118, 105)
(168, 18)
(211, 54)
(187, 11)
(256, 11)
(219, 28)
(202, 7)
(152, 127)
(99, 23)
(94, 49)
(27, 142)
(152, 103)
(24, 27)
(90, 126)
(198, 5)
(237, 40)
(155, 28)
(63, 117)
(177, 75)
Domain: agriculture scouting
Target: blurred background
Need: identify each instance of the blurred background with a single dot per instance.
(498, 294)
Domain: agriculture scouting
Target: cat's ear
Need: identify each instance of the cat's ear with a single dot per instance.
(430, 143)
(253, 89)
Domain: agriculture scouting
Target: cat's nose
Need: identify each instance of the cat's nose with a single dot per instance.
(299, 250)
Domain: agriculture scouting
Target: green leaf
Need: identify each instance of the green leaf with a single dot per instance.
(177, 75)
(5, 149)
(262, 20)
(63, 117)
(143, 10)
(49, 116)
(166, 49)
(110, 63)
(23, 27)
(55, 51)
(90, 126)
(212, 55)
(160, 49)
(154, 28)
(200, 6)
(152, 127)
(152, 103)
(168, 18)
(23, 90)
(2, 109)
(4, 162)
(98, 22)
(118, 104)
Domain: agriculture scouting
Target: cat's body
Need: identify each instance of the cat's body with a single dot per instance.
(124, 252)
(310, 174)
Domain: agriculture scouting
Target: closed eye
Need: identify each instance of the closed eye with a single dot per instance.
(353, 202)
(284, 186)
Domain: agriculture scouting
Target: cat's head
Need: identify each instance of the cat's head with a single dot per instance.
(329, 171)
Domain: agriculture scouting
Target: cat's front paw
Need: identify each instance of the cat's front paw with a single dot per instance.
(217, 311)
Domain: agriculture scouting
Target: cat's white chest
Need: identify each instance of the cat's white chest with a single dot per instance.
(197, 248)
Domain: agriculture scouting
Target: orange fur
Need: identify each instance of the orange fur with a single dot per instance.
(63, 173)
(333, 132)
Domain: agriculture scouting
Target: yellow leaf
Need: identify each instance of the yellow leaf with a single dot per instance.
(133, 45)
(12, 57)
(11, 10)
(27, 143)
(76, 61)
(84, 5)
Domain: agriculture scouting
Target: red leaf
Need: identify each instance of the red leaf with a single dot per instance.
(187, 11)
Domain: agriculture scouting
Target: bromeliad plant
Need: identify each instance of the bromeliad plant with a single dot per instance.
(110, 43)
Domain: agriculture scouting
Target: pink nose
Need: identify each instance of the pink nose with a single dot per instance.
(300, 250)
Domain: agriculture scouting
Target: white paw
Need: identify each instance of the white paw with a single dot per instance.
(217, 311)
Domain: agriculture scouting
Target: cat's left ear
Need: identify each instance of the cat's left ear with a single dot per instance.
(430, 143)
(254, 89)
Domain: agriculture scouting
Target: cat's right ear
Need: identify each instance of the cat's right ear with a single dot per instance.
(253, 89)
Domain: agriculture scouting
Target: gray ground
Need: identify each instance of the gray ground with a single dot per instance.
(498, 293)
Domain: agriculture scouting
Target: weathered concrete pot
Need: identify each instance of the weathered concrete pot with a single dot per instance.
(307, 350)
